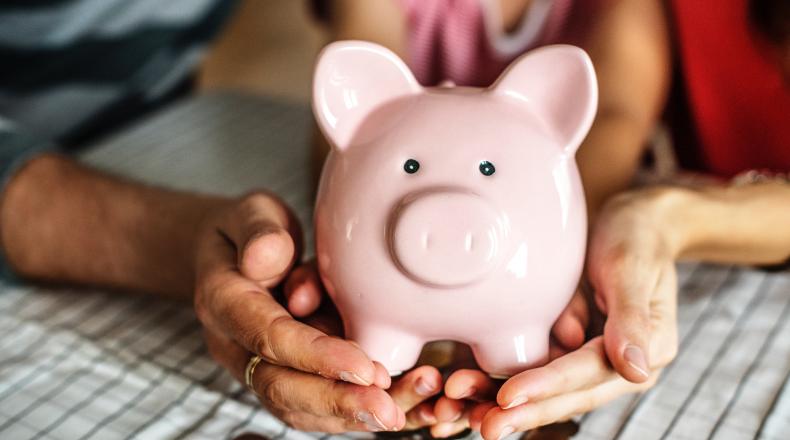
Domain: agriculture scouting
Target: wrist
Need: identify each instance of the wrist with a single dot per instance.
(679, 213)
(664, 212)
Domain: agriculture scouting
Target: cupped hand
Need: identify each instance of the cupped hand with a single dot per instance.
(413, 392)
(451, 413)
(632, 271)
(469, 393)
(311, 380)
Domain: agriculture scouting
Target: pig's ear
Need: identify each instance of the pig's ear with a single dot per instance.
(558, 83)
(351, 79)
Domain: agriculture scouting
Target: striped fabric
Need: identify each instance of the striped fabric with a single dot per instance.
(71, 65)
(463, 41)
(80, 364)
(72, 69)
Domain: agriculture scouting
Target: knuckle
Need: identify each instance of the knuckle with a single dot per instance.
(256, 337)
(271, 391)
(336, 402)
(267, 339)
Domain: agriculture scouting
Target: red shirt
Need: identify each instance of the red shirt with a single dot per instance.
(738, 100)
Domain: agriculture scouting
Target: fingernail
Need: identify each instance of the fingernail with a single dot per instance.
(348, 376)
(370, 419)
(506, 431)
(518, 400)
(423, 387)
(469, 393)
(636, 359)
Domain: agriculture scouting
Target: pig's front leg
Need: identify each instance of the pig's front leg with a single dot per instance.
(506, 354)
(397, 350)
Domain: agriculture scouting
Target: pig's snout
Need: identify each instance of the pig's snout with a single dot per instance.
(445, 238)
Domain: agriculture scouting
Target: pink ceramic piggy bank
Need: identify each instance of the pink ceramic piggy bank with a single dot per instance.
(451, 213)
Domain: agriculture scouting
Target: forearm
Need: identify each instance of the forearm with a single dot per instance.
(609, 158)
(64, 223)
(738, 225)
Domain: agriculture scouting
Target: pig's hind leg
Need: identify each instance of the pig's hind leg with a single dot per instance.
(505, 355)
(397, 350)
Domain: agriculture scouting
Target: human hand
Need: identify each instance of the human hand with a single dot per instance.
(632, 271)
(451, 414)
(469, 393)
(412, 393)
(310, 380)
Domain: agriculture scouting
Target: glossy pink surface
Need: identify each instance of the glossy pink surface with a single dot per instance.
(447, 252)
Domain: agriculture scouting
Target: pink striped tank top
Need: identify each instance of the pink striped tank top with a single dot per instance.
(464, 41)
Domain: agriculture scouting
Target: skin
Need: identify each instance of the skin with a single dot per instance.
(64, 223)
(629, 45)
(56, 217)
(639, 237)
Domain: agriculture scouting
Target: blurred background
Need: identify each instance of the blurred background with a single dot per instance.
(269, 47)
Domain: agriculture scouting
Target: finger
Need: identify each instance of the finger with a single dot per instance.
(296, 391)
(264, 233)
(420, 416)
(449, 428)
(449, 410)
(416, 386)
(444, 430)
(327, 319)
(303, 290)
(470, 384)
(570, 326)
(330, 425)
(627, 330)
(284, 390)
(499, 422)
(578, 370)
(556, 350)
(257, 322)
(382, 377)
(478, 412)
(664, 343)
(227, 353)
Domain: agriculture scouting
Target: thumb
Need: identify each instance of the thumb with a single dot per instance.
(264, 233)
(627, 329)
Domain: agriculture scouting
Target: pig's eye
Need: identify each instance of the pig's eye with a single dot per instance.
(487, 168)
(411, 166)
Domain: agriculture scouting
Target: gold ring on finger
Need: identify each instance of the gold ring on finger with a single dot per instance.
(250, 370)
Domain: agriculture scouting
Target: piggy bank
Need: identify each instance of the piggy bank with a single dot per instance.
(451, 213)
